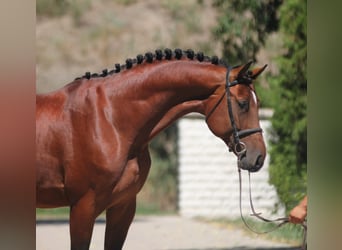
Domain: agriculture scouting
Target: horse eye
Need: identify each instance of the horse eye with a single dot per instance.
(244, 105)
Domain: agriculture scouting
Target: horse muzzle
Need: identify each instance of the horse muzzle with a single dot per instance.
(251, 162)
(249, 158)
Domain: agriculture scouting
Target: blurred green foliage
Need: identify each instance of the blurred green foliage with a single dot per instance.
(289, 145)
(243, 28)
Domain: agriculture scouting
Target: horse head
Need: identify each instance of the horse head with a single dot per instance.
(232, 114)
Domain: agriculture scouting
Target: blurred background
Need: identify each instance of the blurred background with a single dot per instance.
(75, 36)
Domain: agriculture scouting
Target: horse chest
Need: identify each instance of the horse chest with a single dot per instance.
(130, 183)
(50, 191)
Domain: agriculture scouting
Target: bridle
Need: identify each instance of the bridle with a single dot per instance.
(237, 146)
(234, 145)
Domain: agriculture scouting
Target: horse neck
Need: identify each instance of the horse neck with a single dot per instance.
(175, 113)
(152, 96)
(174, 80)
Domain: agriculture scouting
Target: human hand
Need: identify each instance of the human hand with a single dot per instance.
(298, 213)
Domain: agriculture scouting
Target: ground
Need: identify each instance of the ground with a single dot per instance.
(169, 232)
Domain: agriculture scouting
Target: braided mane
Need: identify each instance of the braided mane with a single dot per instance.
(159, 55)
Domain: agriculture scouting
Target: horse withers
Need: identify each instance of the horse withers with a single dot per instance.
(92, 135)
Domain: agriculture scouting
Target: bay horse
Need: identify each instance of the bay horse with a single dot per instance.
(92, 135)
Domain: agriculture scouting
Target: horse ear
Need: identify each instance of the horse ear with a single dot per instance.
(257, 71)
(244, 69)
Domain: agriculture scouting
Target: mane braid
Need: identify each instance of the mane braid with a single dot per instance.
(178, 53)
(214, 60)
(168, 54)
(159, 54)
(190, 54)
(104, 72)
(140, 59)
(200, 56)
(129, 63)
(149, 57)
(117, 68)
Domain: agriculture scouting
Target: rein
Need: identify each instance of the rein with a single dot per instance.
(282, 220)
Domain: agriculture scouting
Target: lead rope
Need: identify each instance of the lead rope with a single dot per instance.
(283, 220)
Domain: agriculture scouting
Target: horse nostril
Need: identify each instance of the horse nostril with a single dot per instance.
(260, 161)
(258, 164)
(251, 166)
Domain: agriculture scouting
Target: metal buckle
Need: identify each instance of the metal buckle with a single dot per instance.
(240, 148)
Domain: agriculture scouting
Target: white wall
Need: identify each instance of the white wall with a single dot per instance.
(208, 176)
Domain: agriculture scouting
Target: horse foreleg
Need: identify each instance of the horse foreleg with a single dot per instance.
(82, 219)
(118, 220)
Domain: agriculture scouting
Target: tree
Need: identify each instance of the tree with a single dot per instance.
(243, 26)
(289, 145)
